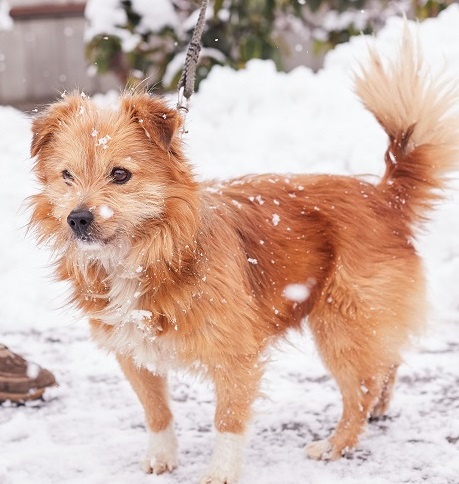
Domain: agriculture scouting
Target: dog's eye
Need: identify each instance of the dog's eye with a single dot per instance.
(67, 176)
(120, 175)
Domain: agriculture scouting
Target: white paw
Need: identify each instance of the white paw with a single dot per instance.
(225, 467)
(162, 452)
(159, 464)
(213, 479)
(320, 450)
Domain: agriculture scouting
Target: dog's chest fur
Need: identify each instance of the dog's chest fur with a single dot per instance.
(137, 340)
(131, 330)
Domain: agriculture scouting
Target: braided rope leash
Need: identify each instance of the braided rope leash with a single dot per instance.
(188, 77)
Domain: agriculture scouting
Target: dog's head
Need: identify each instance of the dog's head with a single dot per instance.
(109, 177)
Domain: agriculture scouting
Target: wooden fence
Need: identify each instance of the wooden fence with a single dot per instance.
(43, 55)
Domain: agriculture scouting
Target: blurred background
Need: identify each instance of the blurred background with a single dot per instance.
(50, 47)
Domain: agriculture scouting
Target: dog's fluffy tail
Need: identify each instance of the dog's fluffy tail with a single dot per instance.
(417, 112)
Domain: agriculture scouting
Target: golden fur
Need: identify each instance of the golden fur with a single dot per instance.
(199, 275)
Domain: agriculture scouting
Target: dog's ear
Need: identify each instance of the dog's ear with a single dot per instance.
(159, 122)
(41, 134)
(45, 125)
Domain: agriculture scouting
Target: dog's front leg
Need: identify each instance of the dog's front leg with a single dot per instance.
(153, 394)
(236, 387)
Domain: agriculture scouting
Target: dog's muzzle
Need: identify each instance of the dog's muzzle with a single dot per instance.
(80, 222)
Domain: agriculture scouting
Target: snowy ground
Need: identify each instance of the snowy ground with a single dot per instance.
(90, 429)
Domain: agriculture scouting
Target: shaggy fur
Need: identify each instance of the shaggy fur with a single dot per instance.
(206, 276)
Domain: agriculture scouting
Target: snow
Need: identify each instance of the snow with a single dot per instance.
(140, 315)
(296, 292)
(105, 212)
(155, 15)
(33, 370)
(105, 16)
(6, 22)
(91, 428)
(103, 141)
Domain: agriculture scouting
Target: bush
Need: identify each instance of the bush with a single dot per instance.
(138, 39)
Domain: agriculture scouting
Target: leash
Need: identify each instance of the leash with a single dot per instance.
(188, 77)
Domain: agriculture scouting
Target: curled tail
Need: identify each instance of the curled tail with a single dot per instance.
(417, 112)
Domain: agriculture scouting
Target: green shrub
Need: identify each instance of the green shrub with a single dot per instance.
(235, 32)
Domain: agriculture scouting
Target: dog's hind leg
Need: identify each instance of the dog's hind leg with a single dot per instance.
(384, 399)
(361, 324)
(153, 395)
(360, 344)
(360, 383)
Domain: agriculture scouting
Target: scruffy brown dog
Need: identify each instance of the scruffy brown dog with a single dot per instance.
(175, 273)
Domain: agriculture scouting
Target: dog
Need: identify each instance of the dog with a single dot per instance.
(174, 273)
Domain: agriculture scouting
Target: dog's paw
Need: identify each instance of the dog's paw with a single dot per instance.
(225, 467)
(320, 450)
(216, 479)
(158, 464)
(380, 409)
(162, 452)
(326, 450)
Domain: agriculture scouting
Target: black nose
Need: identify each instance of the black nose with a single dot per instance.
(80, 221)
